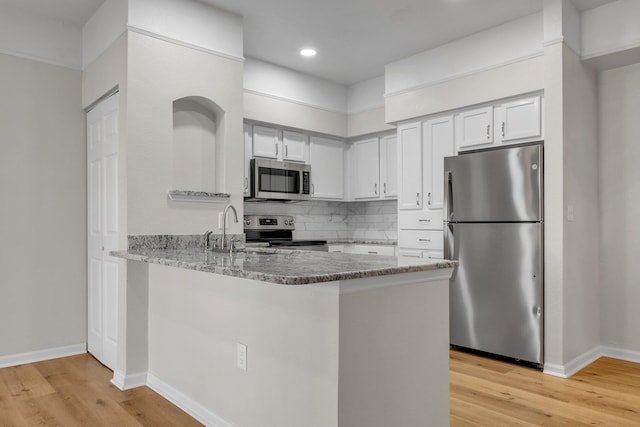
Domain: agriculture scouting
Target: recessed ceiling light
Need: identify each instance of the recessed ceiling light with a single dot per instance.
(308, 52)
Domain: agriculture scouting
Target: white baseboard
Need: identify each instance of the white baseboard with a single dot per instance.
(569, 369)
(40, 355)
(125, 382)
(184, 402)
(585, 359)
(622, 354)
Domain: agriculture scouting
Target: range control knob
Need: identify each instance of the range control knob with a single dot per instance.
(247, 222)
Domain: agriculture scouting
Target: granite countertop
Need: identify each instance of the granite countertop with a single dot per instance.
(285, 267)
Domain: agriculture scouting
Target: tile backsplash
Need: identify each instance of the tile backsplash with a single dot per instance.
(372, 220)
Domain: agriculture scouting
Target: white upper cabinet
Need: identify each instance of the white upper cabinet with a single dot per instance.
(474, 128)
(521, 119)
(410, 158)
(266, 142)
(438, 137)
(247, 159)
(294, 146)
(327, 168)
(389, 166)
(366, 169)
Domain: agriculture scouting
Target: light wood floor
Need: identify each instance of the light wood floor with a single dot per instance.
(75, 391)
(485, 392)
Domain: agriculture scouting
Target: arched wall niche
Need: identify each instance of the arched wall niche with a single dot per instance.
(198, 145)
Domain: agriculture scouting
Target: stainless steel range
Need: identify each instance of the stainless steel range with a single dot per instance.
(277, 232)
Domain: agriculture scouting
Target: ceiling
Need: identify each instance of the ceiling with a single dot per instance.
(354, 38)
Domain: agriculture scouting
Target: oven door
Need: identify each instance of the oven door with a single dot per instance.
(279, 180)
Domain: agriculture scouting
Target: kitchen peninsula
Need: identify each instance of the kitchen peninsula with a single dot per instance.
(288, 338)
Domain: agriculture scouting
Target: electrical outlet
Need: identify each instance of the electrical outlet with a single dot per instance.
(242, 357)
(570, 213)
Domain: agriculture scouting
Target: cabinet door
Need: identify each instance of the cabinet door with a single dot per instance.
(438, 136)
(373, 250)
(521, 119)
(247, 158)
(295, 146)
(327, 168)
(421, 220)
(474, 128)
(266, 142)
(410, 165)
(421, 239)
(389, 166)
(411, 253)
(366, 169)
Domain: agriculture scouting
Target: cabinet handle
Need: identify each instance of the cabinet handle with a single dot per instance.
(424, 220)
(246, 183)
(384, 188)
(276, 149)
(286, 151)
(503, 129)
(417, 199)
(488, 131)
(375, 188)
(313, 189)
(372, 252)
(424, 240)
(429, 198)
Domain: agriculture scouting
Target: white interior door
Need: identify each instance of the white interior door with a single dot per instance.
(102, 180)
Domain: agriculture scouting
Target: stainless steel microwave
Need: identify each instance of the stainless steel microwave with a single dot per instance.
(273, 180)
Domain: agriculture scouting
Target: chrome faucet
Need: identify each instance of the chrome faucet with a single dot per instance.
(224, 223)
(207, 238)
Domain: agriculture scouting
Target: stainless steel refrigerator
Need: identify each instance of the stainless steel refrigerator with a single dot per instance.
(494, 227)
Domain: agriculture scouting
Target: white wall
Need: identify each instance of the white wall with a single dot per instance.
(191, 22)
(365, 107)
(43, 216)
(277, 95)
(40, 38)
(581, 242)
(101, 31)
(513, 41)
(272, 80)
(195, 321)
(610, 28)
(159, 73)
(619, 127)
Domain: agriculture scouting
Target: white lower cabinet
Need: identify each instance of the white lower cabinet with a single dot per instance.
(423, 220)
(373, 250)
(421, 239)
(414, 253)
(364, 249)
(411, 253)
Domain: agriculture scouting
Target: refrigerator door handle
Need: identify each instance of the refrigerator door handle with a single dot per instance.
(448, 196)
(449, 240)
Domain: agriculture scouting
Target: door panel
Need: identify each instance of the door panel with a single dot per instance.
(496, 185)
(102, 185)
(496, 301)
(410, 166)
